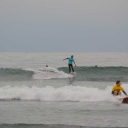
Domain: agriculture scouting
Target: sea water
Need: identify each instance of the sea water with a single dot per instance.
(33, 95)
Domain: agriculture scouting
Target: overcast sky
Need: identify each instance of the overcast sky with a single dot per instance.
(63, 25)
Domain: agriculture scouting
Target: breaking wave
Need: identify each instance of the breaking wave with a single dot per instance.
(51, 94)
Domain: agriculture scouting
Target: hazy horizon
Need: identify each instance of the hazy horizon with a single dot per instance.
(64, 26)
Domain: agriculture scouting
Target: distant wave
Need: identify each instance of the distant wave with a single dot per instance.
(9, 74)
(51, 94)
(48, 73)
(110, 74)
(41, 126)
(100, 73)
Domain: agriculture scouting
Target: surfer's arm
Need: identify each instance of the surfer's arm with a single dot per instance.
(124, 92)
(112, 92)
(65, 59)
(74, 63)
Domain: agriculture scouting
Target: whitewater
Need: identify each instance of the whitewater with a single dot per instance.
(31, 93)
(51, 94)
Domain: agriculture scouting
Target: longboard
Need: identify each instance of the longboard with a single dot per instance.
(125, 100)
(73, 73)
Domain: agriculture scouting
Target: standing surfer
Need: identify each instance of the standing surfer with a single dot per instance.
(70, 63)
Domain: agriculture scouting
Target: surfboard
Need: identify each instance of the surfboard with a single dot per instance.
(73, 74)
(125, 100)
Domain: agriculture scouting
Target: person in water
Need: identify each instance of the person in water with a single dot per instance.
(70, 63)
(116, 90)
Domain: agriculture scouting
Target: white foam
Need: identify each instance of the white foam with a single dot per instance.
(66, 93)
(48, 73)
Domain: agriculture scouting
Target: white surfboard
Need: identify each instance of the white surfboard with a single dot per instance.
(73, 74)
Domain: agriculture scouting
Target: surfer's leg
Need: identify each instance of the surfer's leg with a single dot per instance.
(69, 68)
(72, 68)
(115, 93)
(119, 93)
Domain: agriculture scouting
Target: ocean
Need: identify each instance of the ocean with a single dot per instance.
(35, 96)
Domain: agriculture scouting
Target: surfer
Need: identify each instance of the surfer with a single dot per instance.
(70, 63)
(116, 90)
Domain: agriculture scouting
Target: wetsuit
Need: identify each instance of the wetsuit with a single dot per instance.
(118, 89)
(70, 61)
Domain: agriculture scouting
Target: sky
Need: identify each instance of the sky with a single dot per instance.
(63, 25)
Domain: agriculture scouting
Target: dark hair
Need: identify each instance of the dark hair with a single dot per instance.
(117, 82)
(72, 56)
